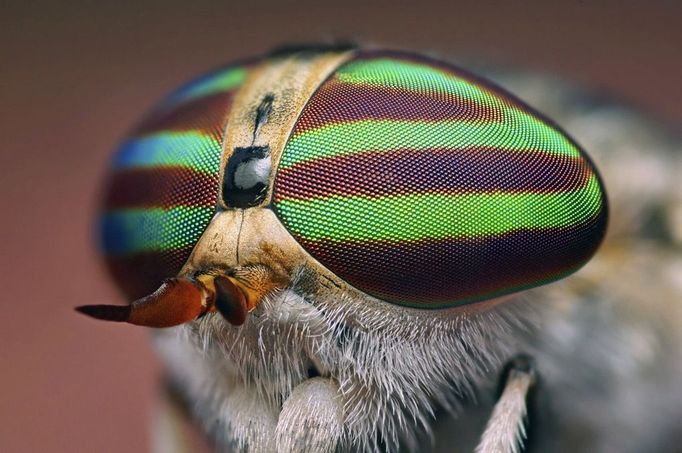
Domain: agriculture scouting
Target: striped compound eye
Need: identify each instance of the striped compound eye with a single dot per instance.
(163, 186)
(423, 186)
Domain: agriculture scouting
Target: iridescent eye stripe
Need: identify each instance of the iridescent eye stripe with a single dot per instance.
(420, 185)
(220, 81)
(439, 170)
(169, 149)
(195, 113)
(148, 229)
(343, 138)
(163, 187)
(418, 216)
(427, 79)
(431, 277)
(136, 188)
(415, 105)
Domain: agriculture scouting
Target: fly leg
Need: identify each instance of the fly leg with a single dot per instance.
(311, 419)
(505, 431)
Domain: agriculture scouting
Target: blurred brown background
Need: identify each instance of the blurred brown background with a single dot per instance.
(74, 76)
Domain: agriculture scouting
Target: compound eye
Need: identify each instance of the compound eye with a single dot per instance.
(163, 184)
(423, 186)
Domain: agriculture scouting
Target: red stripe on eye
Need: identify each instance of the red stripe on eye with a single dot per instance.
(376, 174)
(450, 69)
(206, 114)
(141, 274)
(164, 187)
(432, 273)
(337, 102)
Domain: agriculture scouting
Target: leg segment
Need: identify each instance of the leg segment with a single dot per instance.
(505, 431)
(311, 419)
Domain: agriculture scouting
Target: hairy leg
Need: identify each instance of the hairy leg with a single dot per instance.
(312, 418)
(505, 431)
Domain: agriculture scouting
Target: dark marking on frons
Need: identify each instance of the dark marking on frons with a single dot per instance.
(262, 114)
(243, 197)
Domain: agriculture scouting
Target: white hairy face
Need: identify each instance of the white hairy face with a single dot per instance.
(383, 370)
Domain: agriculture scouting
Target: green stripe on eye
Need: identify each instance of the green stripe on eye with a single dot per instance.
(164, 149)
(437, 216)
(413, 76)
(340, 139)
(145, 230)
(218, 82)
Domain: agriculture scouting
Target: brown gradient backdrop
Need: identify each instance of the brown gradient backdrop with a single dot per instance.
(75, 75)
